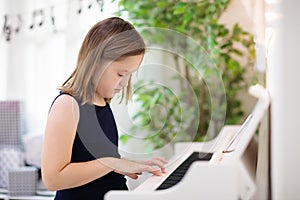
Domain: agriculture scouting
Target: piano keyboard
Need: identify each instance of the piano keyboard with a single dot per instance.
(180, 171)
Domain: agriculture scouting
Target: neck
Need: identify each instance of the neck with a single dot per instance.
(99, 101)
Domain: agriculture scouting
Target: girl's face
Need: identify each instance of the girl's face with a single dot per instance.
(116, 76)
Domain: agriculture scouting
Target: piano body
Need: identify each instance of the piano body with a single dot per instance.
(223, 168)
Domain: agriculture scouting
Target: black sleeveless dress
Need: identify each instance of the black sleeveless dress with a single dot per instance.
(96, 137)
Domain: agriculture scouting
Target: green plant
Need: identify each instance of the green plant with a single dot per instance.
(226, 48)
(164, 121)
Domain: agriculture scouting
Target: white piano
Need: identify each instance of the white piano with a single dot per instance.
(224, 168)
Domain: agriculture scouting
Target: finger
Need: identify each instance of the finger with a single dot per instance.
(154, 161)
(153, 170)
(156, 173)
(159, 164)
(162, 159)
(161, 168)
(133, 176)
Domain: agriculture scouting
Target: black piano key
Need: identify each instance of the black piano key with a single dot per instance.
(175, 178)
(181, 170)
(165, 186)
(178, 175)
(172, 182)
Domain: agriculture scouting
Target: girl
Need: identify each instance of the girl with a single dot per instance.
(80, 158)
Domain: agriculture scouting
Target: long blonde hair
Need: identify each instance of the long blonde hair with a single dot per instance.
(109, 40)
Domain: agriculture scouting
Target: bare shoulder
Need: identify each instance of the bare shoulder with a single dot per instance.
(64, 101)
(65, 107)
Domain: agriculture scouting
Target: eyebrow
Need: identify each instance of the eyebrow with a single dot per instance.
(123, 70)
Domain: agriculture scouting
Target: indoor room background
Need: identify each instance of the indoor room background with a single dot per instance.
(39, 44)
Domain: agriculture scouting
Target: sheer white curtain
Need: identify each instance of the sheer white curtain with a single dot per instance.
(35, 62)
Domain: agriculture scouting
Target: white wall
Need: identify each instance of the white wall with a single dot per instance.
(3, 56)
(284, 81)
(250, 16)
(35, 62)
